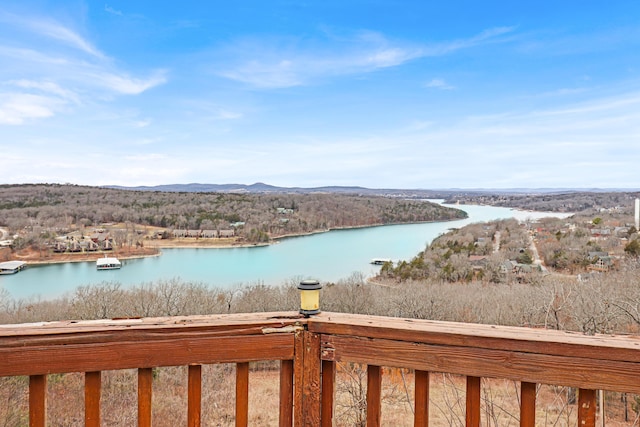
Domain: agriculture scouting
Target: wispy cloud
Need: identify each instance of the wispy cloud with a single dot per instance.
(56, 31)
(18, 108)
(278, 63)
(47, 87)
(439, 84)
(112, 11)
(53, 68)
(227, 115)
(130, 85)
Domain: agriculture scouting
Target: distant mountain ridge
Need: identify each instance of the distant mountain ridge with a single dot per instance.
(260, 187)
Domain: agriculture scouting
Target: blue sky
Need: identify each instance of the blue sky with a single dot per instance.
(377, 93)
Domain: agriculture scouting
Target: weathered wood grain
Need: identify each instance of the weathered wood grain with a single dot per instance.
(374, 396)
(242, 394)
(92, 391)
(194, 396)
(298, 379)
(421, 399)
(586, 408)
(37, 401)
(527, 405)
(529, 340)
(529, 367)
(145, 386)
(328, 389)
(472, 413)
(311, 380)
(286, 394)
(167, 351)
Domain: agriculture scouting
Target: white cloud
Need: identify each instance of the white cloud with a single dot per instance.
(54, 30)
(45, 75)
(142, 123)
(130, 85)
(46, 87)
(112, 11)
(146, 157)
(439, 84)
(18, 108)
(227, 115)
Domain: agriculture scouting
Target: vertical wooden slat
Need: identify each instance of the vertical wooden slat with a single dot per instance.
(145, 383)
(92, 390)
(37, 400)
(242, 394)
(473, 402)
(421, 416)
(328, 386)
(374, 391)
(527, 404)
(586, 408)
(286, 393)
(194, 398)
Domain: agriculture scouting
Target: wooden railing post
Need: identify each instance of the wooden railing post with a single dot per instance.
(527, 404)
(286, 393)
(374, 391)
(194, 398)
(37, 400)
(421, 415)
(586, 408)
(242, 394)
(92, 391)
(307, 369)
(145, 382)
(328, 387)
(473, 402)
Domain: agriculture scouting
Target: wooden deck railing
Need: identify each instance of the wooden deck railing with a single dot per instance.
(309, 350)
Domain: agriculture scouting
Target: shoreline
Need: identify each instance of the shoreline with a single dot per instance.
(157, 246)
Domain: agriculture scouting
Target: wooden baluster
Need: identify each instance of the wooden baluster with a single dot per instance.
(37, 400)
(527, 404)
(242, 394)
(374, 390)
(194, 399)
(328, 386)
(286, 393)
(421, 416)
(92, 390)
(145, 382)
(586, 408)
(473, 402)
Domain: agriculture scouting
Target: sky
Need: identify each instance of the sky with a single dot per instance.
(377, 93)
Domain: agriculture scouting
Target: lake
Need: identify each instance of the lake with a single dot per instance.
(329, 256)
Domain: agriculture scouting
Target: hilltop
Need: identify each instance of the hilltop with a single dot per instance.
(52, 220)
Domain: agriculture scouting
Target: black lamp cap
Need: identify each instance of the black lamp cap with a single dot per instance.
(309, 285)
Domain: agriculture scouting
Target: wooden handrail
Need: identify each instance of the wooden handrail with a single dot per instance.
(309, 349)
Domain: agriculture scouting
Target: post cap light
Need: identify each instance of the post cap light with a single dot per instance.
(309, 297)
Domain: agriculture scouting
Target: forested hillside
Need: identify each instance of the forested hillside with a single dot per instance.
(42, 209)
(570, 201)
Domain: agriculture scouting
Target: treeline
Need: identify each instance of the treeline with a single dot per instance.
(43, 208)
(485, 251)
(477, 251)
(606, 304)
(578, 201)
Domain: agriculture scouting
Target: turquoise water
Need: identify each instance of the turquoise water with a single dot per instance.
(327, 257)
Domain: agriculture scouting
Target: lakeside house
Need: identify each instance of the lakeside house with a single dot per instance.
(206, 234)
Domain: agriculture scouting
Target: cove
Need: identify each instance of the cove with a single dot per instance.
(327, 257)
